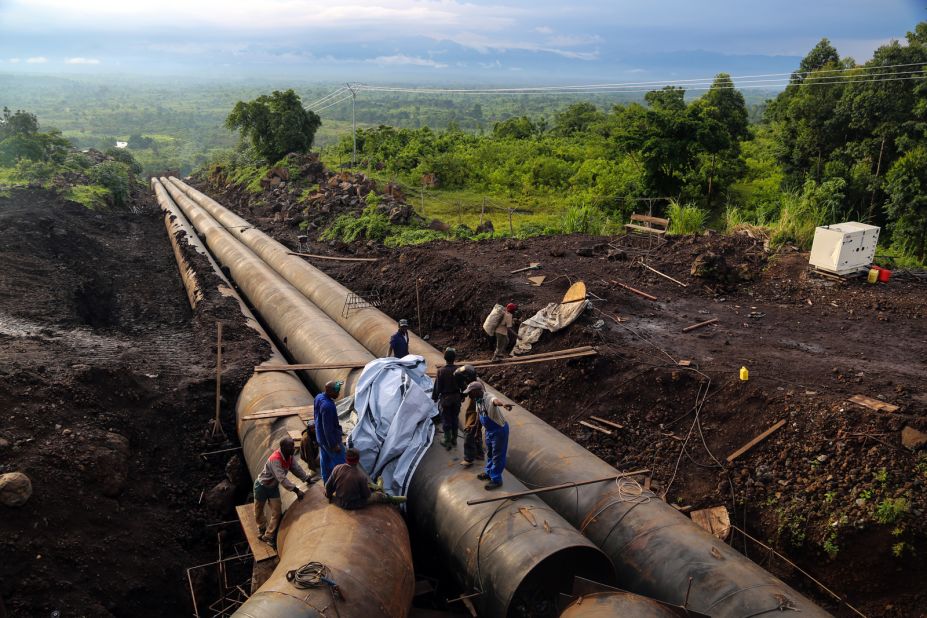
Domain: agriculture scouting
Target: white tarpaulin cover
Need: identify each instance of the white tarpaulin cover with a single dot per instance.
(553, 317)
(394, 426)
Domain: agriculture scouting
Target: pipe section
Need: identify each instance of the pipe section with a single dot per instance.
(655, 549)
(612, 604)
(177, 225)
(519, 565)
(367, 552)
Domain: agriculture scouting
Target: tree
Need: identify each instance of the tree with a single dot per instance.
(577, 118)
(720, 117)
(276, 124)
(906, 185)
(19, 123)
(823, 55)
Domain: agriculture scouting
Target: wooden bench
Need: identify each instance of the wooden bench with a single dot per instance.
(646, 224)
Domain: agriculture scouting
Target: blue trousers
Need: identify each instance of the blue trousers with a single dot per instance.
(328, 460)
(497, 445)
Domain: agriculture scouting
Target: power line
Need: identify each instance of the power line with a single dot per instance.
(326, 97)
(341, 100)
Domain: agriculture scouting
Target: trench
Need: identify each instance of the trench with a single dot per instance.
(651, 546)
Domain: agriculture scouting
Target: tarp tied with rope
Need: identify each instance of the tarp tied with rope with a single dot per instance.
(394, 426)
(553, 317)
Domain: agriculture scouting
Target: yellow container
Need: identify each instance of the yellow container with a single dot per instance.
(873, 275)
(744, 374)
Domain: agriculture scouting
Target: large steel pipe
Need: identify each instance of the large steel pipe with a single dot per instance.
(513, 561)
(621, 604)
(177, 226)
(368, 553)
(654, 548)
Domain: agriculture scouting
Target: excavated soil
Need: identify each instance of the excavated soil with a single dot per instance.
(808, 342)
(106, 395)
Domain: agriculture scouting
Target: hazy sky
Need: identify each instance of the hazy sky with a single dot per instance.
(547, 41)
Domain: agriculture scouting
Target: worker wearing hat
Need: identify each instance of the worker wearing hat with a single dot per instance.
(399, 342)
(504, 330)
(497, 432)
(328, 430)
(447, 394)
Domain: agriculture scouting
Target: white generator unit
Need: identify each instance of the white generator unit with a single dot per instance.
(844, 248)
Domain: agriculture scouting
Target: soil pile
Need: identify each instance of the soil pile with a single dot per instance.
(107, 390)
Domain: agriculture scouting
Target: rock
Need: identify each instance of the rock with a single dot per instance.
(221, 498)
(912, 438)
(15, 489)
(235, 471)
(110, 464)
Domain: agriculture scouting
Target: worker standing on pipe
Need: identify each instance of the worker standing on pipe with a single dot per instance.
(328, 430)
(350, 488)
(267, 488)
(399, 342)
(505, 329)
(497, 433)
(447, 392)
(473, 431)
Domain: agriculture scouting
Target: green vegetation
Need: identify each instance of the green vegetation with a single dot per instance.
(889, 510)
(275, 124)
(685, 219)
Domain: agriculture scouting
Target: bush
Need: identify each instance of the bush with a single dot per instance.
(684, 219)
(91, 196)
(39, 172)
(114, 176)
(582, 220)
(413, 236)
(124, 156)
(371, 224)
(889, 510)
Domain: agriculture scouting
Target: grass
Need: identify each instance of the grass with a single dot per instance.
(685, 219)
(91, 196)
(891, 509)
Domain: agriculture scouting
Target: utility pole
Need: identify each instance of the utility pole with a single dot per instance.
(353, 126)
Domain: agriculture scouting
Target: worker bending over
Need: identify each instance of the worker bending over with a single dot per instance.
(399, 342)
(504, 330)
(267, 488)
(447, 392)
(497, 432)
(350, 488)
(328, 430)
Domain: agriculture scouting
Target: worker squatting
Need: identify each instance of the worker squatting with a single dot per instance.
(456, 388)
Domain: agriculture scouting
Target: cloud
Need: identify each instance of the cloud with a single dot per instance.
(14, 60)
(80, 60)
(485, 45)
(37, 60)
(544, 30)
(401, 59)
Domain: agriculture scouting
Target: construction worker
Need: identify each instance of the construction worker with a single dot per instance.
(399, 342)
(448, 394)
(328, 430)
(497, 433)
(504, 330)
(473, 431)
(350, 488)
(267, 488)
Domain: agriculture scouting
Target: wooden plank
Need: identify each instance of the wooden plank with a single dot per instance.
(645, 230)
(607, 422)
(596, 427)
(699, 325)
(297, 436)
(649, 219)
(714, 520)
(259, 549)
(873, 404)
(537, 281)
(544, 490)
(635, 291)
(265, 414)
(664, 275)
(749, 445)
(309, 366)
(333, 258)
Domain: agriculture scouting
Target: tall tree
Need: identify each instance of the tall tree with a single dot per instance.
(276, 124)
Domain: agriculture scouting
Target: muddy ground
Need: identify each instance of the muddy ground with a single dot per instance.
(834, 490)
(106, 394)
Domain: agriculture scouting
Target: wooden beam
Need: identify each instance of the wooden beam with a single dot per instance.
(665, 276)
(749, 445)
(873, 404)
(699, 325)
(333, 258)
(596, 427)
(607, 422)
(542, 490)
(635, 290)
(277, 412)
(260, 549)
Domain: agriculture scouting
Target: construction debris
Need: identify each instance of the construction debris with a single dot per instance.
(531, 266)
(699, 325)
(714, 520)
(749, 445)
(596, 427)
(537, 281)
(873, 404)
(607, 422)
(665, 276)
(635, 291)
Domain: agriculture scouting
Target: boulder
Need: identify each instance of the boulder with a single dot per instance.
(15, 489)
(912, 438)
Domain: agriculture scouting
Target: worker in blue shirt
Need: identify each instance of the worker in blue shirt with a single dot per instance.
(328, 430)
(489, 410)
(399, 342)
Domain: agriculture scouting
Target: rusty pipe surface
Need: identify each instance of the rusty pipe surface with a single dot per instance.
(177, 225)
(520, 563)
(368, 555)
(611, 604)
(655, 549)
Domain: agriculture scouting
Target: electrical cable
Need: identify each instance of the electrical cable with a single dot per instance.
(326, 97)
(332, 104)
(310, 575)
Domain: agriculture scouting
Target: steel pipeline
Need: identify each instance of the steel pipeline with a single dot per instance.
(367, 553)
(177, 225)
(611, 604)
(655, 549)
(515, 562)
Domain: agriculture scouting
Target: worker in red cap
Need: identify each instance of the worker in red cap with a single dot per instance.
(350, 488)
(504, 330)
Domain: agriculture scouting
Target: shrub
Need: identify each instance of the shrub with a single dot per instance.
(125, 157)
(34, 171)
(91, 196)
(115, 177)
(414, 236)
(684, 219)
(582, 220)
(371, 224)
(889, 510)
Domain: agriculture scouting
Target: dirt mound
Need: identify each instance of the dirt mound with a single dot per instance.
(106, 383)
